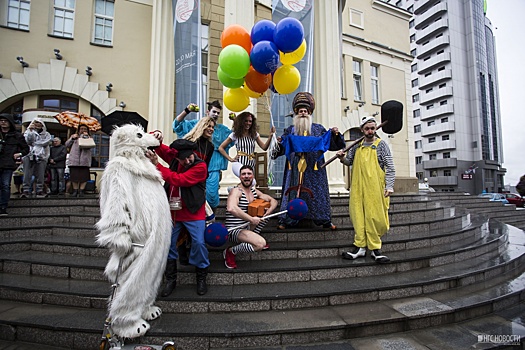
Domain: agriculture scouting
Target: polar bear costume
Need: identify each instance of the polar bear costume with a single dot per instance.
(134, 209)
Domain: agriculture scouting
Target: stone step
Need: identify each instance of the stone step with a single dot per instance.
(367, 282)
(80, 328)
(274, 266)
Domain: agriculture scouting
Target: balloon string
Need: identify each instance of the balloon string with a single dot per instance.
(273, 143)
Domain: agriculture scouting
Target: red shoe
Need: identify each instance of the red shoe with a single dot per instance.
(266, 246)
(229, 259)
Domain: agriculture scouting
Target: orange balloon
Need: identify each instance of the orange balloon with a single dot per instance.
(236, 34)
(256, 81)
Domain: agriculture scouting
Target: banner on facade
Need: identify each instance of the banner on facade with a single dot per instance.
(188, 65)
(302, 10)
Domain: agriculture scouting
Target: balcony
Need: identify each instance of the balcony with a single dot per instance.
(436, 112)
(426, 18)
(437, 128)
(431, 63)
(435, 78)
(433, 29)
(440, 163)
(433, 46)
(439, 146)
(434, 95)
(443, 181)
(420, 6)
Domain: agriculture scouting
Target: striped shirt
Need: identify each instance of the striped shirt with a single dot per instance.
(232, 221)
(384, 157)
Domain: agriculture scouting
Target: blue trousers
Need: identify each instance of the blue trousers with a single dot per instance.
(199, 251)
(5, 187)
(212, 188)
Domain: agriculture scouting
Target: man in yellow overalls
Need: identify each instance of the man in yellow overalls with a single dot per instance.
(373, 177)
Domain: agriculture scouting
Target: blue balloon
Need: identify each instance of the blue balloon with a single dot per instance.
(216, 234)
(262, 30)
(288, 35)
(264, 57)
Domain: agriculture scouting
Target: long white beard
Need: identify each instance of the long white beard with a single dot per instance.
(302, 124)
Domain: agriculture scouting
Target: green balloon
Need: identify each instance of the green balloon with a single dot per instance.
(234, 61)
(228, 81)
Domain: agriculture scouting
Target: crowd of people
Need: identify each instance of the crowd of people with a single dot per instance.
(195, 161)
(39, 164)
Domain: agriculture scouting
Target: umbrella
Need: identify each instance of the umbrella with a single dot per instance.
(74, 119)
(119, 118)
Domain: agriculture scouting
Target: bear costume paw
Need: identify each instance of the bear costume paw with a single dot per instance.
(152, 312)
(135, 330)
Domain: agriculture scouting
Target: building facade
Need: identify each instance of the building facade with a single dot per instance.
(98, 56)
(456, 112)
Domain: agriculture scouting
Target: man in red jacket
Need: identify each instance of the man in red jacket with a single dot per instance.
(186, 188)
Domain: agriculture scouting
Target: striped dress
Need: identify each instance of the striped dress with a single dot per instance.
(233, 221)
(245, 148)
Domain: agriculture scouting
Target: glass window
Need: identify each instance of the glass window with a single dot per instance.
(417, 144)
(413, 53)
(63, 18)
(432, 156)
(446, 155)
(417, 113)
(205, 50)
(431, 139)
(374, 76)
(58, 103)
(104, 15)
(413, 38)
(430, 123)
(429, 90)
(442, 103)
(445, 137)
(415, 82)
(417, 128)
(358, 89)
(413, 68)
(18, 14)
(419, 160)
(419, 175)
(433, 173)
(415, 98)
(444, 120)
(447, 172)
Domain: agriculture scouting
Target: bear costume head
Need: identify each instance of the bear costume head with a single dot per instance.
(130, 140)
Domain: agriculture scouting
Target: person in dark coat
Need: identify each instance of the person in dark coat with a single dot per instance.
(13, 146)
(57, 165)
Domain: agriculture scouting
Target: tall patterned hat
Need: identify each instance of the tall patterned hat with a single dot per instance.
(303, 100)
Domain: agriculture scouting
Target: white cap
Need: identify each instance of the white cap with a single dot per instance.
(367, 119)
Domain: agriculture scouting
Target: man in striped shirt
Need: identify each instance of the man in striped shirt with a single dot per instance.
(247, 238)
(373, 176)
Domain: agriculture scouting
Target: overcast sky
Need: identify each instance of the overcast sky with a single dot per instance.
(507, 18)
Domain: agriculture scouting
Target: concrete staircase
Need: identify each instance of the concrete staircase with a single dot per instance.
(457, 271)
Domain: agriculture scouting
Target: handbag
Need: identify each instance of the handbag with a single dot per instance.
(87, 142)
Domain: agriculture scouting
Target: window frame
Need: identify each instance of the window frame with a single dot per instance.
(357, 76)
(102, 41)
(374, 82)
(62, 32)
(20, 10)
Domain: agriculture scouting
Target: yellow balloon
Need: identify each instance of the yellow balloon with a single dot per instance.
(251, 93)
(236, 100)
(294, 56)
(286, 79)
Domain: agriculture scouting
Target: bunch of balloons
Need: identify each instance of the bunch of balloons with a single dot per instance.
(251, 63)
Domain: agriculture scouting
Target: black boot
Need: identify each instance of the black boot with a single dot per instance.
(202, 287)
(171, 278)
(75, 193)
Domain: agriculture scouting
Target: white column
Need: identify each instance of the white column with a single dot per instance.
(236, 12)
(327, 87)
(162, 71)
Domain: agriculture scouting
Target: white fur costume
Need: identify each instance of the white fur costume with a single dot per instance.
(134, 209)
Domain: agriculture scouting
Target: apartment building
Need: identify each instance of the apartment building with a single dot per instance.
(456, 112)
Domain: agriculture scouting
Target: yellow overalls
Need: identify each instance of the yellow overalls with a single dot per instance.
(368, 204)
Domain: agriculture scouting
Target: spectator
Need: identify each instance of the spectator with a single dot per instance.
(57, 165)
(35, 163)
(79, 161)
(185, 180)
(247, 239)
(12, 146)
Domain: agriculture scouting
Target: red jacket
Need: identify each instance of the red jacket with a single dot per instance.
(191, 177)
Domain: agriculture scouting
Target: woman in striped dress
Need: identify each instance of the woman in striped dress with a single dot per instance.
(245, 136)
